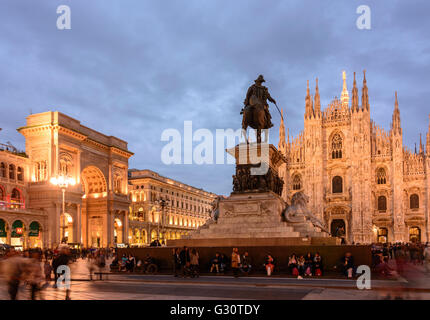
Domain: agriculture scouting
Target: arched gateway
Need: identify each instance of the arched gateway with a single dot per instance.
(99, 165)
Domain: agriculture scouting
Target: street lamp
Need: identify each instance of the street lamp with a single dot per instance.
(63, 182)
(162, 203)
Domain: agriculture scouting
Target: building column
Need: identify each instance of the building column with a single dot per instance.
(78, 232)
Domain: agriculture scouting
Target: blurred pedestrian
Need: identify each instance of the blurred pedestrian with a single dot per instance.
(427, 258)
(194, 263)
(176, 262)
(34, 274)
(47, 270)
(14, 269)
(235, 262)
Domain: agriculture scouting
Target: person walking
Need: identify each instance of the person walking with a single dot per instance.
(184, 255)
(34, 274)
(427, 258)
(14, 269)
(235, 262)
(194, 263)
(176, 262)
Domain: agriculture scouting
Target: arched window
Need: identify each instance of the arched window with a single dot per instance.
(297, 182)
(414, 234)
(118, 184)
(337, 185)
(2, 194)
(381, 176)
(20, 174)
(414, 201)
(40, 170)
(382, 203)
(336, 146)
(12, 171)
(16, 198)
(382, 235)
(3, 170)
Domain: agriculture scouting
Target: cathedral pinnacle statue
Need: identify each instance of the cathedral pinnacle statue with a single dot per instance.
(256, 112)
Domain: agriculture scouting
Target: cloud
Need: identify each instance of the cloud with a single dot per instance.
(134, 68)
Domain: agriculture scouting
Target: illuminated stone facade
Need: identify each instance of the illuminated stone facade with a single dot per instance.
(359, 177)
(96, 207)
(184, 208)
(19, 226)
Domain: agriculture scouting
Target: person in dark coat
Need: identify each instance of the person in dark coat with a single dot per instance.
(347, 264)
(176, 262)
(184, 255)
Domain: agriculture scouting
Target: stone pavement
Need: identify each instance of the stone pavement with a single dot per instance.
(414, 285)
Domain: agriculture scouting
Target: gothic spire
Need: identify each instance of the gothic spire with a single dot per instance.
(395, 125)
(344, 96)
(317, 101)
(308, 110)
(421, 145)
(364, 94)
(282, 143)
(354, 106)
(428, 139)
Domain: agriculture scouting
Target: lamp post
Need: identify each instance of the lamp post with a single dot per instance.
(63, 182)
(162, 203)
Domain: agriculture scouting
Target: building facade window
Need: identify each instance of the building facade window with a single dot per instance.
(337, 184)
(382, 203)
(297, 182)
(382, 235)
(414, 201)
(3, 170)
(12, 171)
(40, 169)
(336, 146)
(2, 194)
(381, 176)
(414, 234)
(20, 174)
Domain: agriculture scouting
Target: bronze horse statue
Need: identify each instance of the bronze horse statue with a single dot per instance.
(256, 110)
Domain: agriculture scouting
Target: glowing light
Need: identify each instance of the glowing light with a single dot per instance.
(69, 219)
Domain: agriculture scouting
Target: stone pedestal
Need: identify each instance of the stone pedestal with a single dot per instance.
(248, 215)
(252, 214)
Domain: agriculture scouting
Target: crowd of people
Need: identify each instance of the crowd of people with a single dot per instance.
(186, 263)
(402, 253)
(36, 268)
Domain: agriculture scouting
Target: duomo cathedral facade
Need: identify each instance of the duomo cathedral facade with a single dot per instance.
(360, 179)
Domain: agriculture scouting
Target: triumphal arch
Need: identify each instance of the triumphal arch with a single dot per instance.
(96, 205)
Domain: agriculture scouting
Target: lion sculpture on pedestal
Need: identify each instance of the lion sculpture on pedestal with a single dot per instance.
(298, 212)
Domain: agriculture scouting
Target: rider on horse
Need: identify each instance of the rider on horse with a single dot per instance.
(258, 95)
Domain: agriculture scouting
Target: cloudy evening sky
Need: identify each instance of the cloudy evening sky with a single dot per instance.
(134, 68)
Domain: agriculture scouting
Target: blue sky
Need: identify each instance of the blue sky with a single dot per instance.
(134, 68)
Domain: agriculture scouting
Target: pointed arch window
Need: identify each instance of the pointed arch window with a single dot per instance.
(336, 146)
(297, 182)
(381, 176)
